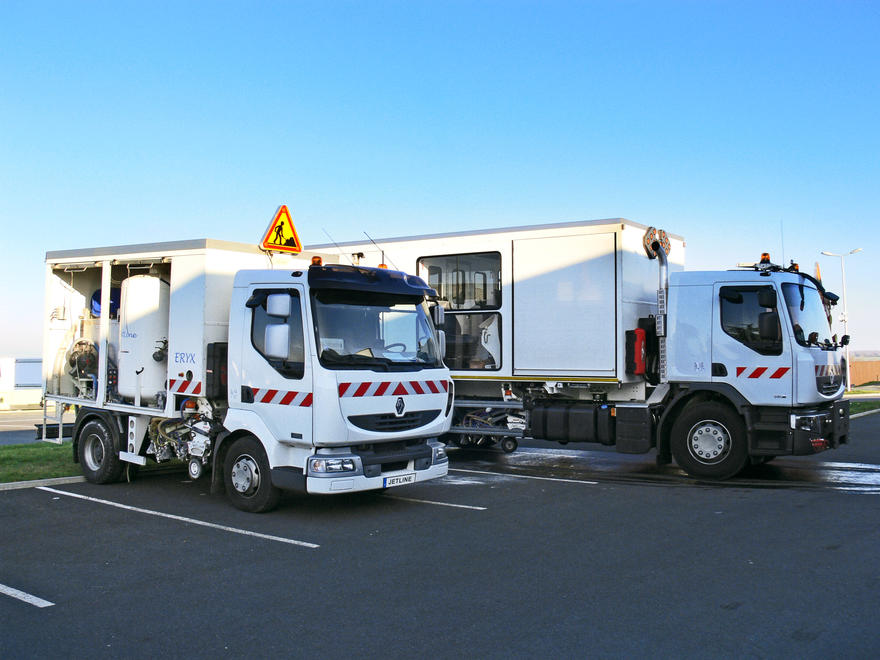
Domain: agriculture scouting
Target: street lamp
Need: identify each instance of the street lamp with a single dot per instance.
(843, 277)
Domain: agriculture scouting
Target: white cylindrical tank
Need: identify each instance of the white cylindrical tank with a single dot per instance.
(143, 333)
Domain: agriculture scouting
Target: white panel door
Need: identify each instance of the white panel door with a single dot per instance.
(564, 305)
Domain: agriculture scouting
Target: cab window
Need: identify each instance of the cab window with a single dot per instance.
(750, 316)
(293, 365)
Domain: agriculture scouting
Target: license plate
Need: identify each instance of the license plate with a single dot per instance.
(399, 480)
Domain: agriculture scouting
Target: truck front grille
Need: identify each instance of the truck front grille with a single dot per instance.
(389, 423)
(827, 385)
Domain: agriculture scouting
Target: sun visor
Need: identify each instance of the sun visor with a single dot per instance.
(374, 280)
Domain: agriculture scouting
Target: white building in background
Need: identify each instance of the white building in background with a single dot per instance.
(20, 382)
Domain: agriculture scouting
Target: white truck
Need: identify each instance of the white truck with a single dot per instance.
(572, 333)
(271, 373)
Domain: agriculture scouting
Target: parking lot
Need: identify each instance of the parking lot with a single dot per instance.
(547, 551)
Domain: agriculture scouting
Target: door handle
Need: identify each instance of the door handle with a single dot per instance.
(719, 369)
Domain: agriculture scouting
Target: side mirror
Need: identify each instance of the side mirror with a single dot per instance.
(768, 326)
(438, 315)
(278, 304)
(844, 341)
(277, 344)
(767, 297)
(441, 344)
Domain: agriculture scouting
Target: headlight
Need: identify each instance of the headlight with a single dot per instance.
(324, 465)
(439, 454)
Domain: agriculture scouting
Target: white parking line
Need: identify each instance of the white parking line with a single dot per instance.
(26, 597)
(192, 521)
(526, 476)
(456, 506)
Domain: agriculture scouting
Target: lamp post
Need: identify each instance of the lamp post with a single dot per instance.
(843, 277)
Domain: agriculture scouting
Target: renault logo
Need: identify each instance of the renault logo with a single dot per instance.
(399, 407)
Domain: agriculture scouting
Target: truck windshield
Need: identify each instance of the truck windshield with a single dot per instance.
(356, 330)
(807, 314)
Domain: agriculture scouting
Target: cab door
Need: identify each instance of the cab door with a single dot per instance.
(276, 375)
(750, 351)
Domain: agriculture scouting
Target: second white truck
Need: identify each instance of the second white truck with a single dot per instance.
(592, 332)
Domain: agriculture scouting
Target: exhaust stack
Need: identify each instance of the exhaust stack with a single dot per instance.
(656, 244)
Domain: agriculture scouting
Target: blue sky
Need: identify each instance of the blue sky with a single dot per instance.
(731, 123)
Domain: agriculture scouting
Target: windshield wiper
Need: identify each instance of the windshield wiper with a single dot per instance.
(329, 355)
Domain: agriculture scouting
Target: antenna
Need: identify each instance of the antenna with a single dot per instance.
(382, 251)
(782, 237)
(337, 246)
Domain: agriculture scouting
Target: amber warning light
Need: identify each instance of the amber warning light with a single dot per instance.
(281, 235)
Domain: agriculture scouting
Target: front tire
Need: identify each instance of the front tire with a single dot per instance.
(247, 477)
(709, 441)
(97, 453)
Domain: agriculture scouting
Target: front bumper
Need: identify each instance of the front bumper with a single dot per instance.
(815, 431)
(344, 483)
(373, 467)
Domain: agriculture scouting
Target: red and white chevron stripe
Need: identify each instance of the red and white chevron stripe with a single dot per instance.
(184, 386)
(757, 372)
(389, 388)
(828, 370)
(282, 397)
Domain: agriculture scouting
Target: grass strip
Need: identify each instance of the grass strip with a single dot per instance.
(862, 406)
(36, 460)
(44, 460)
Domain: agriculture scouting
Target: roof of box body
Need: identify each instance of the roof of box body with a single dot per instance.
(152, 249)
(498, 230)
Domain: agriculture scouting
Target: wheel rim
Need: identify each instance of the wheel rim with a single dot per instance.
(709, 442)
(93, 452)
(245, 475)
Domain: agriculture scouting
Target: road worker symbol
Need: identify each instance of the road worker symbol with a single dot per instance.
(281, 235)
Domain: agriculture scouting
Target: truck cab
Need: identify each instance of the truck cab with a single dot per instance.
(338, 371)
(759, 341)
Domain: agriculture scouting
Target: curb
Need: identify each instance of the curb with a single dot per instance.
(867, 412)
(57, 481)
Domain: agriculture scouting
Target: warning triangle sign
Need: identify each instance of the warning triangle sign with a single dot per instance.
(281, 235)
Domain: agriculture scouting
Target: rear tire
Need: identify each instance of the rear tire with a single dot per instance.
(98, 456)
(709, 441)
(247, 477)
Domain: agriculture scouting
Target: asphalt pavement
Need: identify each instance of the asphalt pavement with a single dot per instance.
(543, 552)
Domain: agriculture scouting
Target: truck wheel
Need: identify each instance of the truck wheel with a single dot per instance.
(709, 441)
(246, 475)
(509, 445)
(97, 454)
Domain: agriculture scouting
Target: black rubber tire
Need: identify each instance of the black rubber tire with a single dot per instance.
(260, 495)
(509, 445)
(715, 418)
(97, 453)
